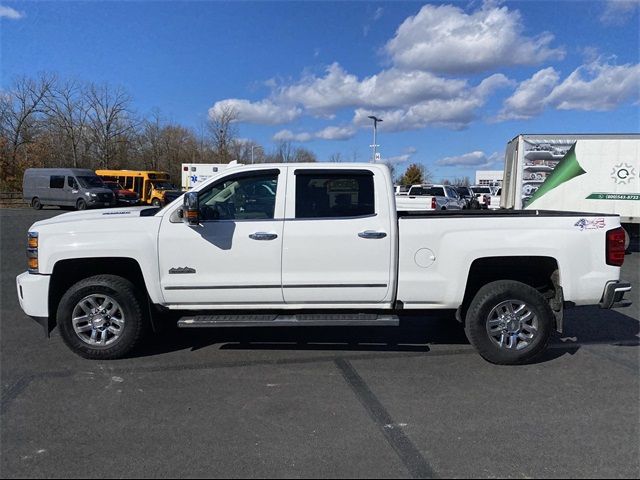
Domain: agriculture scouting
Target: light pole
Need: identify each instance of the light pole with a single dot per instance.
(375, 131)
(252, 147)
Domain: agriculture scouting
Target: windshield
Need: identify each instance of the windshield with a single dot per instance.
(91, 182)
(113, 185)
(481, 190)
(163, 186)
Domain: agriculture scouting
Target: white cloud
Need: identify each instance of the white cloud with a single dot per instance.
(10, 13)
(289, 136)
(339, 89)
(455, 113)
(446, 39)
(592, 87)
(336, 133)
(471, 159)
(531, 95)
(618, 12)
(328, 133)
(263, 112)
(597, 87)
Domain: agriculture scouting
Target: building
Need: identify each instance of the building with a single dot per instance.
(489, 177)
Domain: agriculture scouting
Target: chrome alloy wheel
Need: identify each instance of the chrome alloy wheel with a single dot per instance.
(98, 320)
(512, 325)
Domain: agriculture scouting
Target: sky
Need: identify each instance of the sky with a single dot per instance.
(452, 81)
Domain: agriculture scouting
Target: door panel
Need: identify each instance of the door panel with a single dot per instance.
(326, 261)
(235, 255)
(337, 239)
(230, 267)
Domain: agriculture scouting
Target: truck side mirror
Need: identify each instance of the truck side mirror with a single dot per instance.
(191, 209)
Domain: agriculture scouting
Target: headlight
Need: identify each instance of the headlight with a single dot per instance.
(94, 195)
(32, 252)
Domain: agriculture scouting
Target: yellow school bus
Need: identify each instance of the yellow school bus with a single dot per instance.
(152, 187)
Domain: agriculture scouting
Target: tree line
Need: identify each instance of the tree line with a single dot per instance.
(51, 122)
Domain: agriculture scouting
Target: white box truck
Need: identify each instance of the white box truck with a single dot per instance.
(195, 173)
(578, 173)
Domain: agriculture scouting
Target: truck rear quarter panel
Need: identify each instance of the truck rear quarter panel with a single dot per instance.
(435, 254)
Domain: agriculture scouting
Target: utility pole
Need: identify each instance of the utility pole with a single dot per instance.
(252, 147)
(375, 132)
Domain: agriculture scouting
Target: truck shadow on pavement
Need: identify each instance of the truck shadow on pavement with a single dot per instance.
(417, 333)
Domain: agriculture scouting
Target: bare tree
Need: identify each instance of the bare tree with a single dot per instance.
(462, 181)
(284, 152)
(223, 132)
(20, 114)
(110, 120)
(302, 155)
(150, 140)
(336, 157)
(68, 113)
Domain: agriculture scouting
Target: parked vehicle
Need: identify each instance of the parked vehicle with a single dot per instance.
(482, 194)
(315, 244)
(578, 173)
(402, 189)
(65, 187)
(468, 197)
(494, 200)
(446, 196)
(194, 174)
(123, 197)
(153, 188)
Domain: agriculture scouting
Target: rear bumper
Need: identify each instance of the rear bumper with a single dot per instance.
(613, 296)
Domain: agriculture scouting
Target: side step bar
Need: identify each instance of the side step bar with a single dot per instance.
(289, 320)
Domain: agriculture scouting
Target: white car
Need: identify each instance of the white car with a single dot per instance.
(320, 244)
(494, 199)
(483, 195)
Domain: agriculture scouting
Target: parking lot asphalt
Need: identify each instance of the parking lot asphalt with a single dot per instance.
(413, 401)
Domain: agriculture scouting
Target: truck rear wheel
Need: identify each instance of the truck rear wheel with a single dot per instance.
(36, 204)
(509, 322)
(101, 317)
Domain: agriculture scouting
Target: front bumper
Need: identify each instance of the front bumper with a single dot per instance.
(33, 295)
(95, 202)
(613, 296)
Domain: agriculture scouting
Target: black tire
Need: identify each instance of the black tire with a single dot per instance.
(156, 202)
(36, 204)
(132, 306)
(81, 204)
(482, 305)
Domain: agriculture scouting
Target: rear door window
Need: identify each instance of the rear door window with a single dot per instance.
(334, 194)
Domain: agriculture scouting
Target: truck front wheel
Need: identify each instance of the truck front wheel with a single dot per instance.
(101, 317)
(509, 322)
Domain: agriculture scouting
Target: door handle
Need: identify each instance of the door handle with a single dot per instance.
(263, 236)
(372, 234)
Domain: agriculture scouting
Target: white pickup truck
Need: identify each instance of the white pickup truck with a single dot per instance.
(430, 197)
(319, 244)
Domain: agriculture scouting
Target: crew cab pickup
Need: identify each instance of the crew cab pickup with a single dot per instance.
(315, 244)
(430, 197)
